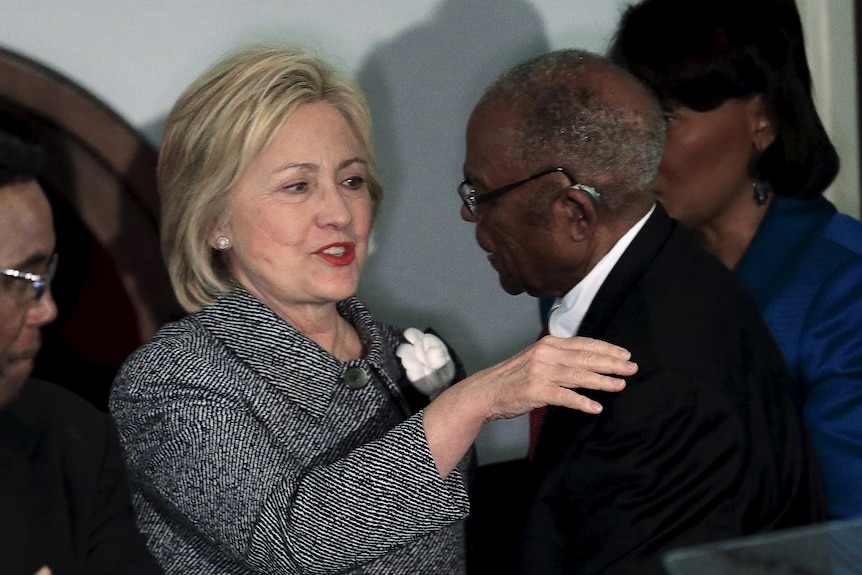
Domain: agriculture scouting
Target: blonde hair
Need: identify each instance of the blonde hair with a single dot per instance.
(220, 123)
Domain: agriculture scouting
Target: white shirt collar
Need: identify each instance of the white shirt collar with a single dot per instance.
(568, 312)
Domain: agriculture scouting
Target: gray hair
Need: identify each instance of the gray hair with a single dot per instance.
(570, 114)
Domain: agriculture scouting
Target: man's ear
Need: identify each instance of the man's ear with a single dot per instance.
(762, 130)
(580, 213)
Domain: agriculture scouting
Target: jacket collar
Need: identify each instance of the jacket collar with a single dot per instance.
(286, 358)
(615, 289)
(627, 271)
(782, 237)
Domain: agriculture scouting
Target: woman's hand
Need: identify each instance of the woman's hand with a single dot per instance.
(546, 373)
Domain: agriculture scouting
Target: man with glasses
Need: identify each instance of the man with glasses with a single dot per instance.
(705, 443)
(64, 502)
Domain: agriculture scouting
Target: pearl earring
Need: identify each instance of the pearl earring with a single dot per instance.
(222, 243)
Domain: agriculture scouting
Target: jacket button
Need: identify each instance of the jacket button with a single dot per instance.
(355, 378)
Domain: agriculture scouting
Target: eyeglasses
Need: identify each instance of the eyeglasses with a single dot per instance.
(38, 283)
(471, 199)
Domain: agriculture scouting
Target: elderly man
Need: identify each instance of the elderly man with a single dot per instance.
(65, 506)
(706, 442)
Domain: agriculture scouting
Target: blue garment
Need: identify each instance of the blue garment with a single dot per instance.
(804, 269)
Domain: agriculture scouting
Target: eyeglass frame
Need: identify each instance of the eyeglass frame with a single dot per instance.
(471, 199)
(40, 282)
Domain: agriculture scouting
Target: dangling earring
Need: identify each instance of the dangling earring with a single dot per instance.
(761, 192)
(222, 243)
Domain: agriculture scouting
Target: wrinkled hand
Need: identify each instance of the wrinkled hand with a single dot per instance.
(546, 373)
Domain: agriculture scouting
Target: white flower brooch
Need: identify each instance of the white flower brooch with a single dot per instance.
(427, 362)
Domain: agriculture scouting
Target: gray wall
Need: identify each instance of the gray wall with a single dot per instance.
(423, 64)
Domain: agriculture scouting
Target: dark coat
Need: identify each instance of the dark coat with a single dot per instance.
(65, 501)
(705, 443)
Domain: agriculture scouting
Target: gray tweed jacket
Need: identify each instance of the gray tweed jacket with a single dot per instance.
(248, 453)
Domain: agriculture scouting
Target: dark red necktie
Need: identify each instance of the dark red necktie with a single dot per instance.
(538, 414)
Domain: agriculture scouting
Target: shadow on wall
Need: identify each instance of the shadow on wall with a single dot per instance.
(426, 268)
(111, 288)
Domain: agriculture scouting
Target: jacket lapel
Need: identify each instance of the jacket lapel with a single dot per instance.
(783, 237)
(627, 272)
(564, 428)
(283, 356)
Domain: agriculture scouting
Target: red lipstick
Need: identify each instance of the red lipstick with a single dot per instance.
(338, 254)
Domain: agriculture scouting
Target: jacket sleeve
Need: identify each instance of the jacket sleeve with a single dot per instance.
(831, 365)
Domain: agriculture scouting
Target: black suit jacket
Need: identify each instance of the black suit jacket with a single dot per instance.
(705, 443)
(64, 500)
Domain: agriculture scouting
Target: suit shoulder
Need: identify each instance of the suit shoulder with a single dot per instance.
(183, 338)
(55, 400)
(688, 269)
(845, 232)
(56, 411)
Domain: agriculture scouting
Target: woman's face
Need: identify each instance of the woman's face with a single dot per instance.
(299, 218)
(704, 171)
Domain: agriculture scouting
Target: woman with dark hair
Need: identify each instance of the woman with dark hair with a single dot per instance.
(745, 165)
